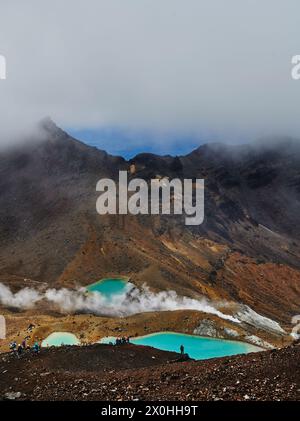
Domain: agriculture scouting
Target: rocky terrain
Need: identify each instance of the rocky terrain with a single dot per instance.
(90, 328)
(128, 372)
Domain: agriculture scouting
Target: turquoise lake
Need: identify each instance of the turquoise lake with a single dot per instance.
(198, 347)
(60, 338)
(110, 287)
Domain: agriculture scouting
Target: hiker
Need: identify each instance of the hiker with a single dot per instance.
(13, 346)
(24, 344)
(19, 350)
(181, 349)
(36, 347)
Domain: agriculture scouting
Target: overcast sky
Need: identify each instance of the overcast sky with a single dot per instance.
(209, 69)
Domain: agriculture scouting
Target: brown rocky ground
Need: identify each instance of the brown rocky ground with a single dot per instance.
(128, 372)
(175, 261)
(90, 328)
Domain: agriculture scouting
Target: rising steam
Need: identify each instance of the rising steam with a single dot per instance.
(25, 298)
(131, 302)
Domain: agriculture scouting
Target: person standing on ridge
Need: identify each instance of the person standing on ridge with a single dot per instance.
(181, 349)
(36, 347)
(19, 350)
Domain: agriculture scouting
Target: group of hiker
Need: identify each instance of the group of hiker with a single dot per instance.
(123, 340)
(126, 340)
(19, 349)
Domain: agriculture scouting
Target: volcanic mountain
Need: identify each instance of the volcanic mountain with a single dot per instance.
(247, 250)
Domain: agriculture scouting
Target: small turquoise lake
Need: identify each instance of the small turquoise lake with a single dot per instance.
(198, 347)
(110, 287)
(60, 338)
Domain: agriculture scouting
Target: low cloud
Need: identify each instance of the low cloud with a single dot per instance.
(203, 68)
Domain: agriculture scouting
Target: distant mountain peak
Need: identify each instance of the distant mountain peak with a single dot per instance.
(48, 124)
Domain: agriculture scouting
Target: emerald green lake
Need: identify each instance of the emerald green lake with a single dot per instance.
(110, 287)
